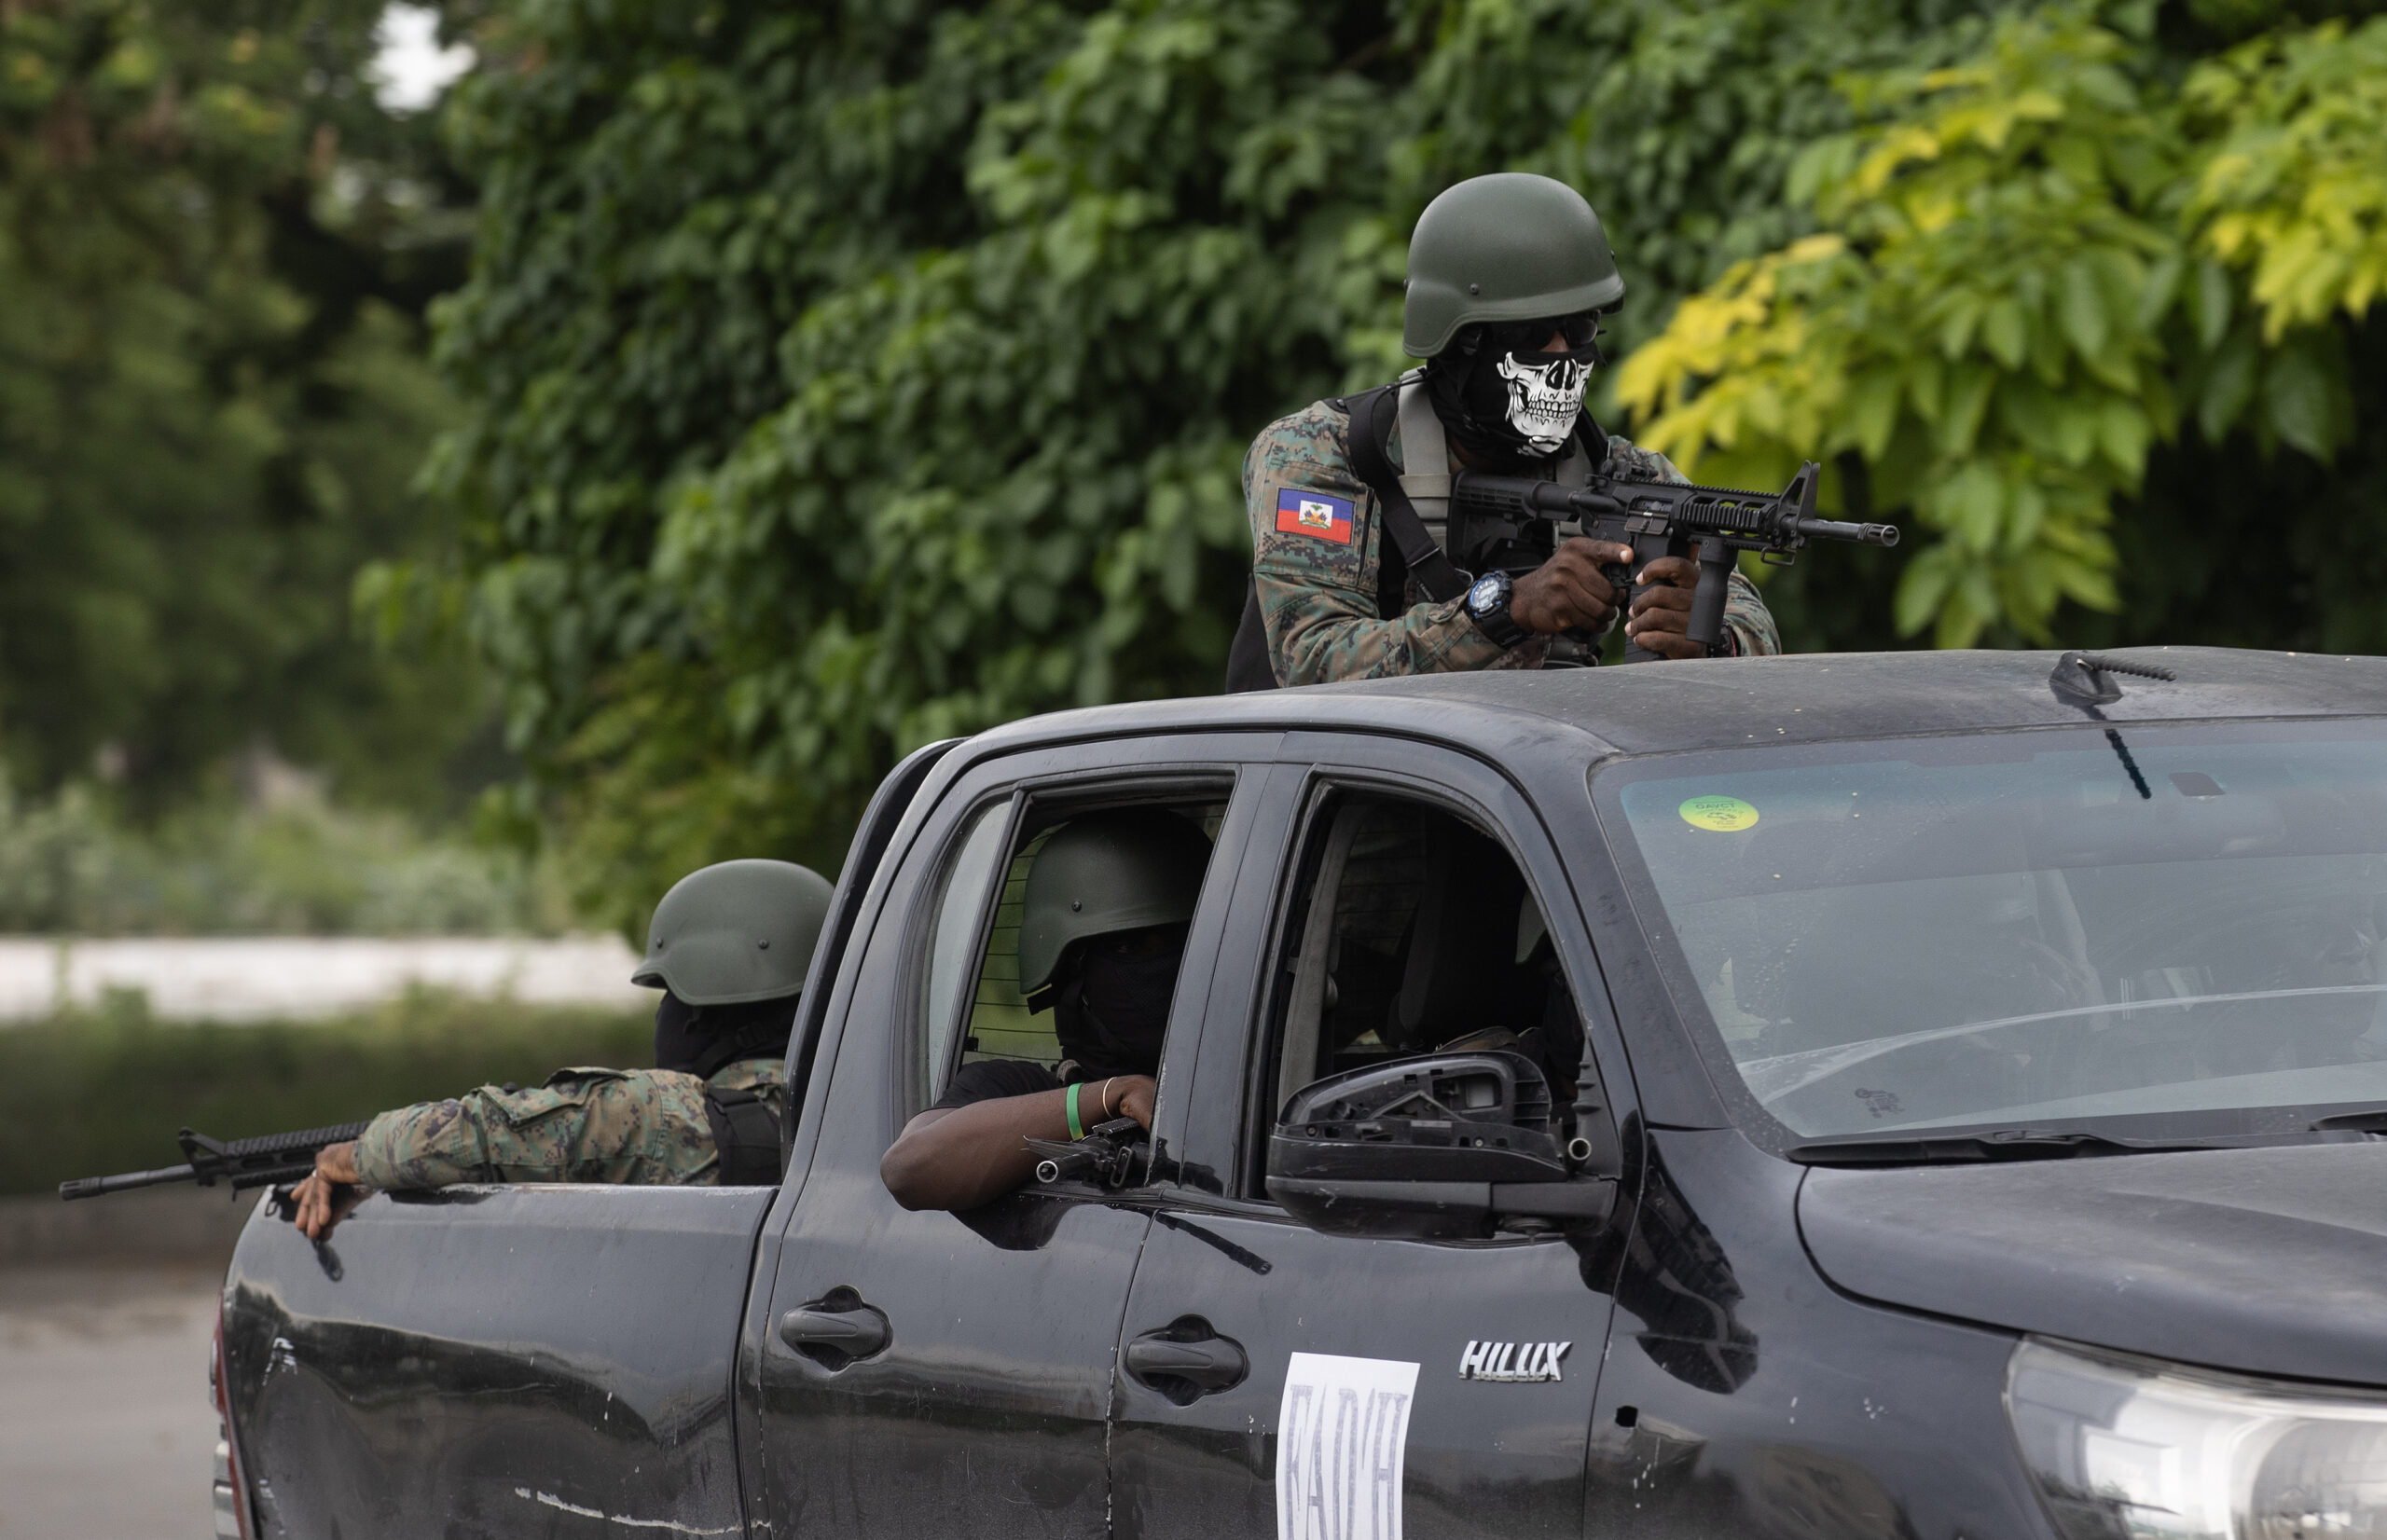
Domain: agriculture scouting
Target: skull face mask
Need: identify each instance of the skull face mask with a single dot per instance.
(1503, 397)
(1544, 399)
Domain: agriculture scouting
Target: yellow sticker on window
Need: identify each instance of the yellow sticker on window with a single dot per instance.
(1724, 815)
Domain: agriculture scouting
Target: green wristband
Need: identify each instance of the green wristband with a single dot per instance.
(1076, 1131)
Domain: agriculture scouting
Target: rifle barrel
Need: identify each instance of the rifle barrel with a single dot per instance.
(97, 1187)
(266, 1161)
(1864, 534)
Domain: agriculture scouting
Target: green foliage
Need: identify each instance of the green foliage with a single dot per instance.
(1985, 334)
(2035, 265)
(2293, 191)
(69, 865)
(215, 251)
(845, 377)
(90, 1095)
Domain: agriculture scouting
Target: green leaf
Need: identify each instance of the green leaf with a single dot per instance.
(2005, 332)
(1968, 391)
(1872, 410)
(1923, 587)
(2297, 392)
(2080, 306)
(2159, 287)
(2229, 386)
(2209, 302)
(1970, 505)
(2123, 433)
(1962, 314)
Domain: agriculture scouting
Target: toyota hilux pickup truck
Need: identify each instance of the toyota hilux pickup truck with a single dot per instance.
(1975, 1134)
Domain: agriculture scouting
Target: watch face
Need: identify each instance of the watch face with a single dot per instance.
(1484, 594)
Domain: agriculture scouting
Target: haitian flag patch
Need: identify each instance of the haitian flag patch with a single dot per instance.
(1314, 514)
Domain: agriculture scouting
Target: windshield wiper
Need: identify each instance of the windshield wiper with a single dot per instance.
(2003, 1144)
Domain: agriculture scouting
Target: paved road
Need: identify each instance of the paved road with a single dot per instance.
(105, 1431)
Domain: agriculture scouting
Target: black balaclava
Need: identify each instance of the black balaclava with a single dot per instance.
(1112, 1011)
(699, 1039)
(1504, 398)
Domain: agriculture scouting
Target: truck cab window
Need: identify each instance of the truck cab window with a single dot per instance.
(960, 905)
(985, 1008)
(1411, 930)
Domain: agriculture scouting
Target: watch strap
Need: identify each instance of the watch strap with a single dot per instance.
(1498, 626)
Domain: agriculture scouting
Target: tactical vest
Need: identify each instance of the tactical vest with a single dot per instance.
(746, 1136)
(1412, 505)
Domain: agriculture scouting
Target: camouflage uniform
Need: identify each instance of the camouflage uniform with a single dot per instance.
(1318, 590)
(636, 1126)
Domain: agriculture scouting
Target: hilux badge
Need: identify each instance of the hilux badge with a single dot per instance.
(1514, 1362)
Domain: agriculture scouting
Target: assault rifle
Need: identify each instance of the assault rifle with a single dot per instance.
(1514, 524)
(267, 1161)
(1104, 1156)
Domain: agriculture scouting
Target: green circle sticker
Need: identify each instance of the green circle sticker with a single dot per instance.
(1724, 815)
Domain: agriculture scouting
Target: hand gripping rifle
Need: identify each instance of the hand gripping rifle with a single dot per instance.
(1103, 1157)
(264, 1162)
(1513, 523)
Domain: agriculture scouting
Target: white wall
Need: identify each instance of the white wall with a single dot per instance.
(281, 977)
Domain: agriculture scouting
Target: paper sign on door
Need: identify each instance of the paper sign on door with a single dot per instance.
(1341, 1436)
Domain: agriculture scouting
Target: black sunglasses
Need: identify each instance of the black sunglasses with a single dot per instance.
(1531, 336)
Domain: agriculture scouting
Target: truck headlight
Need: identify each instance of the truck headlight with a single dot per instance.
(2133, 1449)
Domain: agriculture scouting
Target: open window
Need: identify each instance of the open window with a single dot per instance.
(972, 1006)
(1410, 931)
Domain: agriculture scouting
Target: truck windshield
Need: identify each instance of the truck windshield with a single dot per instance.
(2174, 925)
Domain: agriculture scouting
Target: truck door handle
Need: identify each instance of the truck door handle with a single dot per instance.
(834, 1331)
(1186, 1360)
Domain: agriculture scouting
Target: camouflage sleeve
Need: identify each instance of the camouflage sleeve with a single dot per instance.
(1748, 624)
(766, 1078)
(644, 1127)
(1314, 540)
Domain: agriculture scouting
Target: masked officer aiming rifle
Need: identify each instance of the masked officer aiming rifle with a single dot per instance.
(1509, 275)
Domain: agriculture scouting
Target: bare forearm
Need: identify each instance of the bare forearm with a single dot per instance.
(955, 1157)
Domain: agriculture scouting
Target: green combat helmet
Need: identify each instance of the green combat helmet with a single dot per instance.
(1122, 870)
(1506, 247)
(735, 931)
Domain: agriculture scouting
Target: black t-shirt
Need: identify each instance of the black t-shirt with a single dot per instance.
(988, 1079)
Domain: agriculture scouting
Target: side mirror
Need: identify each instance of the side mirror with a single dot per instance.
(1448, 1147)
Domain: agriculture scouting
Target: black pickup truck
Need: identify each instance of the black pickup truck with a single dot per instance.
(1974, 1137)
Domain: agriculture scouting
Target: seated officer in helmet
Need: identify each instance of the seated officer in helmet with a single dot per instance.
(728, 947)
(1509, 275)
(1102, 934)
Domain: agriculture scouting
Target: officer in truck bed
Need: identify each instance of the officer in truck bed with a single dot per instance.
(1508, 278)
(728, 947)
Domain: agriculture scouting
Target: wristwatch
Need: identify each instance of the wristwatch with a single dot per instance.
(1488, 605)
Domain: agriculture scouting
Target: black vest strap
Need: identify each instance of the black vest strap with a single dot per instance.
(1408, 546)
(746, 1134)
(1372, 414)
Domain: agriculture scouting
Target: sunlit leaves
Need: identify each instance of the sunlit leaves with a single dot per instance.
(2034, 270)
(2296, 189)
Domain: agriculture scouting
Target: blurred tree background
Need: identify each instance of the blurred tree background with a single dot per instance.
(842, 377)
(216, 251)
(727, 398)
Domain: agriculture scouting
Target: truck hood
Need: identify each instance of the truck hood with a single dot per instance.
(2270, 1260)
